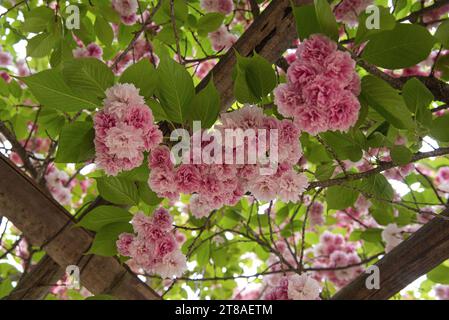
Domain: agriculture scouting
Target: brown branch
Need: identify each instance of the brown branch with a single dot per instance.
(380, 168)
(18, 148)
(414, 15)
(254, 8)
(136, 35)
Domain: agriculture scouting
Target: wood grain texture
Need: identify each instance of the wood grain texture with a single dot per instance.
(36, 284)
(41, 218)
(414, 257)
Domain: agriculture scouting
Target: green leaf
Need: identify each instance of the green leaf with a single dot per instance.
(404, 46)
(175, 89)
(37, 19)
(255, 78)
(118, 190)
(61, 53)
(440, 274)
(324, 171)
(104, 31)
(341, 196)
(377, 185)
(203, 254)
(440, 128)
(230, 219)
(442, 34)
(167, 35)
(15, 89)
(52, 121)
(51, 91)
(76, 143)
(143, 75)
(306, 21)
(88, 77)
(40, 45)
(139, 174)
(159, 113)
(401, 155)
(326, 19)
(344, 145)
(104, 215)
(5, 287)
(205, 105)
(147, 195)
(386, 22)
(86, 31)
(209, 22)
(418, 97)
(383, 215)
(372, 235)
(386, 101)
(104, 243)
(4, 90)
(164, 13)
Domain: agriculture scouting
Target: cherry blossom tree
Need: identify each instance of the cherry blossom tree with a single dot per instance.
(223, 149)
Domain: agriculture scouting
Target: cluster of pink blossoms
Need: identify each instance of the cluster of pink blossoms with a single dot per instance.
(435, 14)
(222, 39)
(321, 89)
(316, 211)
(347, 11)
(392, 235)
(294, 287)
(222, 6)
(333, 251)
(127, 10)
(56, 181)
(124, 130)
(5, 58)
(92, 50)
(442, 292)
(215, 185)
(155, 248)
(442, 179)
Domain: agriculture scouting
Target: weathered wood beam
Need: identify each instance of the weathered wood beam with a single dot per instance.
(36, 283)
(271, 33)
(424, 250)
(44, 221)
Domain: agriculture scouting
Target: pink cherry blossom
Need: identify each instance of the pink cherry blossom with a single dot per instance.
(222, 6)
(316, 49)
(5, 59)
(292, 185)
(120, 96)
(222, 39)
(124, 142)
(303, 287)
(124, 242)
(162, 218)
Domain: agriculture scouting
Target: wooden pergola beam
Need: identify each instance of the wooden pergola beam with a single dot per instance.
(421, 252)
(44, 221)
(36, 283)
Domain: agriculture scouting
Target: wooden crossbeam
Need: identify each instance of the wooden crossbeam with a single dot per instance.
(424, 250)
(44, 221)
(36, 283)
